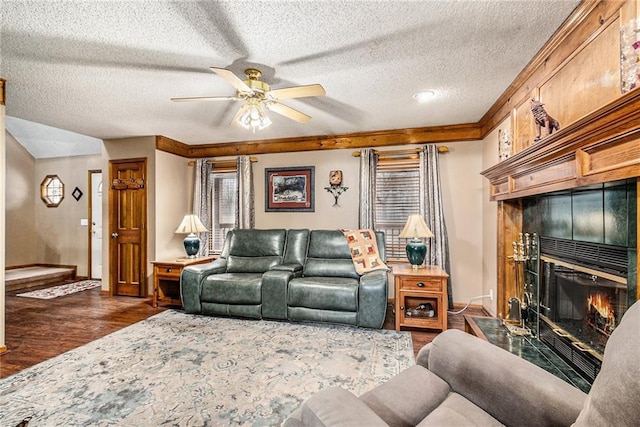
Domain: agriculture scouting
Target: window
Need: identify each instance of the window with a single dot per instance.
(223, 209)
(397, 196)
(52, 191)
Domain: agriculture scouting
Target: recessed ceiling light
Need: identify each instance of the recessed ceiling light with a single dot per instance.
(424, 96)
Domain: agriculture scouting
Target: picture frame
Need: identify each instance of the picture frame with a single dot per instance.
(290, 189)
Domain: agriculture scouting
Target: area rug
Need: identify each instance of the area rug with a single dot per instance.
(185, 370)
(61, 290)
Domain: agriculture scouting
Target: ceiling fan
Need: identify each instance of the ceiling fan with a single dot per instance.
(258, 96)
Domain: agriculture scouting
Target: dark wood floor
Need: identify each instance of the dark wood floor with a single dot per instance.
(37, 330)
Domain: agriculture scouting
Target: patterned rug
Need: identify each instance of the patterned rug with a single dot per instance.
(61, 290)
(186, 370)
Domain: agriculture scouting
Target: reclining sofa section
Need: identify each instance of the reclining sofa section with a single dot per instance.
(297, 275)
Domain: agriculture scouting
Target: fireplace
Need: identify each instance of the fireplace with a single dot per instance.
(583, 295)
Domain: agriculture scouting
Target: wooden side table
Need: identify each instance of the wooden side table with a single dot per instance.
(166, 278)
(427, 285)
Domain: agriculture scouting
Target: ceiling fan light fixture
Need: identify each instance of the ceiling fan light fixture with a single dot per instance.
(424, 96)
(253, 117)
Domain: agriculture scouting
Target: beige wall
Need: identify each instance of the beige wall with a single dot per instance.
(490, 222)
(60, 238)
(20, 214)
(325, 216)
(462, 198)
(3, 253)
(173, 199)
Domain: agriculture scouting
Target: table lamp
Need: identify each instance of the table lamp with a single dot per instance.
(415, 229)
(191, 225)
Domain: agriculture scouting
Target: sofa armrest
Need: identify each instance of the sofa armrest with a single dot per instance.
(333, 407)
(509, 388)
(422, 358)
(372, 299)
(191, 283)
(294, 268)
(274, 293)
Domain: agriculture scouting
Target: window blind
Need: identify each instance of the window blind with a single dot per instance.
(223, 209)
(397, 196)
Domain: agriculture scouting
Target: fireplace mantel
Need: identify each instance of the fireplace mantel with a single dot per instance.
(600, 147)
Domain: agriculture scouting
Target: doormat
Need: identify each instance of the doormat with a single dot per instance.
(62, 290)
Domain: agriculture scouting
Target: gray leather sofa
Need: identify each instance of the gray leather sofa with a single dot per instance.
(297, 275)
(461, 380)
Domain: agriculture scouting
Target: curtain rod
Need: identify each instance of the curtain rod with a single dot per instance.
(441, 149)
(225, 161)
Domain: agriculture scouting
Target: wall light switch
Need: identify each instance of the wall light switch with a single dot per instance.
(84, 221)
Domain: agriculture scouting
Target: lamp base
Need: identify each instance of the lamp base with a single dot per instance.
(416, 251)
(192, 245)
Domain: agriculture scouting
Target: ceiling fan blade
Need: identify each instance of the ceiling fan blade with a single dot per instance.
(232, 78)
(288, 112)
(206, 98)
(298, 91)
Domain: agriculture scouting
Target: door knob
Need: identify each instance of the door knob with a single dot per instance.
(114, 235)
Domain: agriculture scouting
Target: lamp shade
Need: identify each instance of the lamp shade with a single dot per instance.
(415, 227)
(191, 224)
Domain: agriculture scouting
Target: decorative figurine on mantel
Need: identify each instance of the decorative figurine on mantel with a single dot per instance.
(336, 189)
(542, 119)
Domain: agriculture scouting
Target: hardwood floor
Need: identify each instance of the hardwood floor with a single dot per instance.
(37, 330)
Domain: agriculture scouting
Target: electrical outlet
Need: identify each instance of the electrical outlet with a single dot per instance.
(491, 294)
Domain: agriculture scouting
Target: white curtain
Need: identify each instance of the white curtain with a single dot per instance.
(202, 191)
(432, 210)
(245, 212)
(368, 163)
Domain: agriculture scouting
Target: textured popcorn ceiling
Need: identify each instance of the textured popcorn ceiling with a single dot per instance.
(108, 69)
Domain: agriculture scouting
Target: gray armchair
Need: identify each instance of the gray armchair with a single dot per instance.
(462, 380)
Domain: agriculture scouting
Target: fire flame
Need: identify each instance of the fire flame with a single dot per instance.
(601, 303)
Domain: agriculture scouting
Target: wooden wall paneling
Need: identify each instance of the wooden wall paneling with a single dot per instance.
(509, 226)
(524, 125)
(577, 30)
(588, 81)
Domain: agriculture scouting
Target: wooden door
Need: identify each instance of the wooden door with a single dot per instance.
(127, 220)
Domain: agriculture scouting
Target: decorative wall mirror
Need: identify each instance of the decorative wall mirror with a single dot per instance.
(52, 191)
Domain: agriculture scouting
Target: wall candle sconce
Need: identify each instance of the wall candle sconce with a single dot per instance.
(336, 189)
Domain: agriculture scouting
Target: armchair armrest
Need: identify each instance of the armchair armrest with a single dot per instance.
(506, 386)
(372, 299)
(191, 282)
(333, 407)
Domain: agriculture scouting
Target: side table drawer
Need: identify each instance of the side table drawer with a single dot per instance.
(421, 284)
(167, 272)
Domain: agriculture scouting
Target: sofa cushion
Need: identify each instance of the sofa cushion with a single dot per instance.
(611, 400)
(233, 288)
(296, 249)
(458, 411)
(330, 293)
(408, 397)
(253, 242)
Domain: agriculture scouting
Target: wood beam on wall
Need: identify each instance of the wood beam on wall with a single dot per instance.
(2, 91)
(385, 138)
